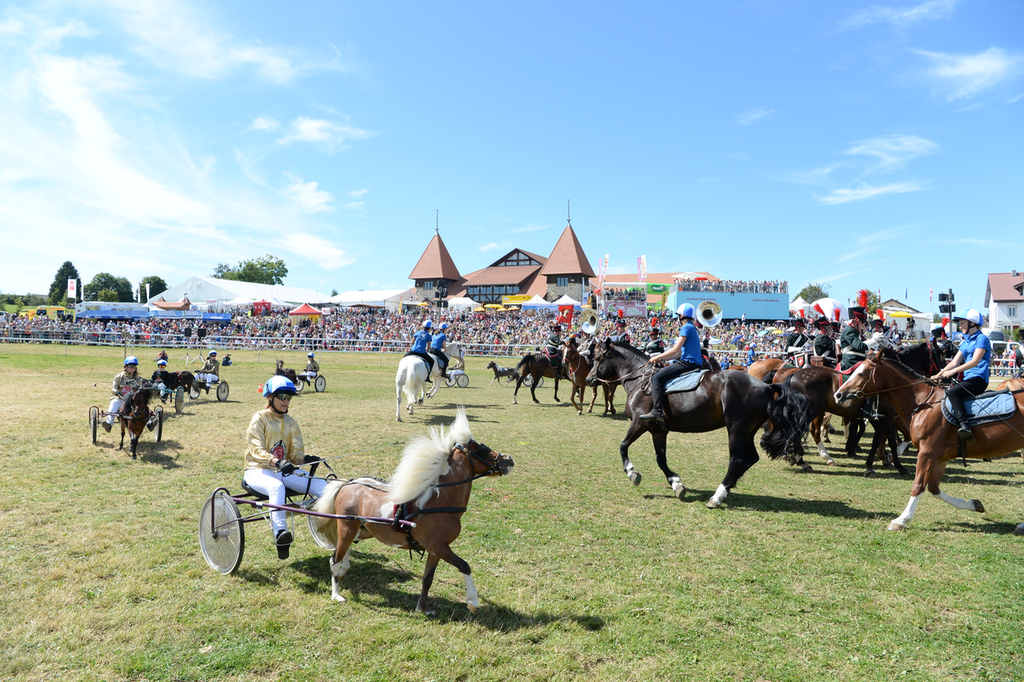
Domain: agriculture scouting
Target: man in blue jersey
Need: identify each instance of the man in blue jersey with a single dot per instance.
(686, 353)
(420, 343)
(437, 347)
(972, 358)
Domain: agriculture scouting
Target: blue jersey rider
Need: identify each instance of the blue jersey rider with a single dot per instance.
(972, 358)
(686, 353)
(273, 452)
(421, 343)
(437, 346)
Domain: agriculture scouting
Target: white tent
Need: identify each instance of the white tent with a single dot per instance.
(567, 300)
(829, 306)
(239, 300)
(365, 298)
(799, 304)
(209, 289)
(462, 303)
(538, 303)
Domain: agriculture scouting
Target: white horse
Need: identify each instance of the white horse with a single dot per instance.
(413, 374)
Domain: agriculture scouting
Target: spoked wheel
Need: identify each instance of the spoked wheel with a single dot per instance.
(193, 392)
(450, 381)
(221, 534)
(528, 380)
(159, 423)
(318, 537)
(222, 391)
(179, 400)
(462, 380)
(300, 384)
(320, 384)
(94, 422)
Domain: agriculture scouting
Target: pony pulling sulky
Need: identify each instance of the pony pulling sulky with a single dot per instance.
(430, 487)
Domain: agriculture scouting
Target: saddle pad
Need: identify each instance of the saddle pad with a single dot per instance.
(685, 382)
(988, 407)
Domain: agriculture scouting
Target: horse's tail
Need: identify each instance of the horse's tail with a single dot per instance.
(406, 380)
(325, 505)
(790, 412)
(525, 361)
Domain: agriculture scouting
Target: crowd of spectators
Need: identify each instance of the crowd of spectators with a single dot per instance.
(773, 286)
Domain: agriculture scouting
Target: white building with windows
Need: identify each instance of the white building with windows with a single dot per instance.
(1004, 299)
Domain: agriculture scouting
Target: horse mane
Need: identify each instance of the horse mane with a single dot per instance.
(899, 366)
(425, 460)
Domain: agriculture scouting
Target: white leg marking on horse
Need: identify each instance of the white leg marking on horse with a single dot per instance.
(957, 502)
(634, 475)
(902, 448)
(472, 600)
(719, 497)
(824, 454)
(677, 486)
(901, 521)
(338, 570)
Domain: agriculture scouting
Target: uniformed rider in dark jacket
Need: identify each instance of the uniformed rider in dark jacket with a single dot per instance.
(621, 335)
(553, 349)
(654, 345)
(797, 344)
(825, 343)
(851, 341)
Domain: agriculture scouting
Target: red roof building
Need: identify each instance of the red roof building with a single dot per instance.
(1004, 298)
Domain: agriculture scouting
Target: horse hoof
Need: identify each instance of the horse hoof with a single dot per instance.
(472, 607)
(830, 463)
(635, 477)
(680, 490)
(1019, 530)
(870, 473)
(579, 413)
(896, 526)
(978, 506)
(807, 468)
(714, 504)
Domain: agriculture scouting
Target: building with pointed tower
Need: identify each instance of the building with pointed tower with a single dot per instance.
(518, 273)
(435, 272)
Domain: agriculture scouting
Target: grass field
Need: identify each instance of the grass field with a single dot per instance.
(581, 575)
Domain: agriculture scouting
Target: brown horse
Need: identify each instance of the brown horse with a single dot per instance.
(431, 488)
(290, 373)
(759, 369)
(579, 367)
(732, 400)
(134, 416)
(919, 401)
(536, 365)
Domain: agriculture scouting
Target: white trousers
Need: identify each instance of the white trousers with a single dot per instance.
(208, 378)
(273, 484)
(308, 375)
(114, 408)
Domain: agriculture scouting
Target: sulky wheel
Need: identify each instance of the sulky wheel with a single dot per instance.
(193, 392)
(320, 384)
(221, 534)
(159, 423)
(462, 380)
(94, 422)
(318, 537)
(179, 400)
(300, 384)
(222, 391)
(449, 381)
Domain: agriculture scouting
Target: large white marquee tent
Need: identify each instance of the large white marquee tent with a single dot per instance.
(203, 291)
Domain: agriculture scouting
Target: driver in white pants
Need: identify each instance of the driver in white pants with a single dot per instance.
(210, 371)
(273, 451)
(312, 367)
(124, 383)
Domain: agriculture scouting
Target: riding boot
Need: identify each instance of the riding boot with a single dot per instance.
(656, 414)
(965, 432)
(283, 540)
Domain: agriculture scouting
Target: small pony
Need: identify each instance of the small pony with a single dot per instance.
(431, 486)
(506, 373)
(133, 417)
(290, 373)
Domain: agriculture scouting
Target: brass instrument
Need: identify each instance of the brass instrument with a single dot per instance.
(709, 313)
(589, 321)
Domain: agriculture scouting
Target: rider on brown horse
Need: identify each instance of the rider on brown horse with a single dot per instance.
(687, 355)
(824, 343)
(654, 345)
(553, 349)
(797, 343)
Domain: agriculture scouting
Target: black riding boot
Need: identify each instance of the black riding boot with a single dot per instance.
(964, 431)
(656, 414)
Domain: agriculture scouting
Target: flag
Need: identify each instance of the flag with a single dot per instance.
(930, 292)
(643, 268)
(147, 290)
(72, 290)
(639, 269)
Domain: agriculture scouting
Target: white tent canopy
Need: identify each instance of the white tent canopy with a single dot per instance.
(462, 303)
(210, 290)
(367, 298)
(829, 307)
(799, 304)
(538, 303)
(567, 300)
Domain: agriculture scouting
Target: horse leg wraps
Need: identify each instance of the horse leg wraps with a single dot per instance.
(824, 454)
(472, 601)
(719, 497)
(338, 571)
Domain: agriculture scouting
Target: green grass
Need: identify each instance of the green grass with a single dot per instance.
(581, 575)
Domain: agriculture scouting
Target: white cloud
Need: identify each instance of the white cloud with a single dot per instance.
(843, 196)
(263, 123)
(319, 250)
(900, 17)
(892, 151)
(326, 133)
(748, 117)
(529, 228)
(818, 176)
(307, 196)
(355, 205)
(357, 193)
(959, 76)
(492, 246)
(12, 26)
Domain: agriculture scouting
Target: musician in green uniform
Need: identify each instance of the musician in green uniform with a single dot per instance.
(797, 345)
(824, 343)
(851, 340)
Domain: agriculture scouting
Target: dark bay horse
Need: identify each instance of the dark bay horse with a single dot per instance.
(134, 416)
(733, 400)
(536, 365)
(579, 368)
(430, 487)
(918, 400)
(286, 372)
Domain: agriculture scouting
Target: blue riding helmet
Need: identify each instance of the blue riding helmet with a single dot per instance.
(427, 324)
(278, 384)
(131, 360)
(211, 353)
(310, 354)
(444, 325)
(971, 315)
(161, 363)
(687, 310)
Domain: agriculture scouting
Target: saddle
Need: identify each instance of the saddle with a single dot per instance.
(554, 358)
(988, 407)
(685, 382)
(845, 374)
(426, 357)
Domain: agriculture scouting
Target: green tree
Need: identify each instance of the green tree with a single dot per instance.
(59, 288)
(334, 292)
(266, 270)
(104, 280)
(813, 291)
(222, 271)
(156, 285)
(108, 295)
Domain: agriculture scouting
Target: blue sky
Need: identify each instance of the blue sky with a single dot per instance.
(851, 144)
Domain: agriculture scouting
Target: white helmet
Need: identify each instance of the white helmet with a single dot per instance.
(427, 324)
(161, 363)
(971, 315)
(278, 384)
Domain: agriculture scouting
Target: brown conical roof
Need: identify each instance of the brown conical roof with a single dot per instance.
(435, 263)
(567, 258)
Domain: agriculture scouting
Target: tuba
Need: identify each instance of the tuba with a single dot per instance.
(709, 313)
(589, 321)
